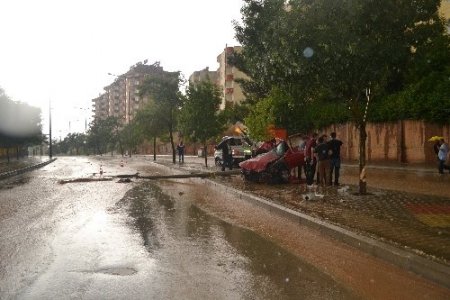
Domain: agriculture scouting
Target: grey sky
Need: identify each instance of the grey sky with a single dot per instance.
(63, 50)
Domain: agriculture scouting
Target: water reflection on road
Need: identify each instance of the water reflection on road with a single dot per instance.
(200, 256)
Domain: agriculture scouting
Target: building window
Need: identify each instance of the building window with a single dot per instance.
(229, 91)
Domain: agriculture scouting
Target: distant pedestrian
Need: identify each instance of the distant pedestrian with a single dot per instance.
(227, 158)
(310, 159)
(180, 149)
(335, 159)
(442, 155)
(323, 161)
(436, 146)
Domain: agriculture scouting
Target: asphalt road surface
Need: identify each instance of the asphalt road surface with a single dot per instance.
(169, 240)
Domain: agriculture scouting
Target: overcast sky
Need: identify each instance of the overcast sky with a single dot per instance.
(63, 50)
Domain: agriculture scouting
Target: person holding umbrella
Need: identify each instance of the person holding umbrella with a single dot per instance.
(437, 144)
(227, 158)
(442, 156)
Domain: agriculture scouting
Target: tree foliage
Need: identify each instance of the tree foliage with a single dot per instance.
(163, 88)
(330, 51)
(198, 118)
(20, 123)
(102, 135)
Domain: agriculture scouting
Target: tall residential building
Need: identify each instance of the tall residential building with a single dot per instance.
(227, 76)
(445, 12)
(203, 75)
(121, 98)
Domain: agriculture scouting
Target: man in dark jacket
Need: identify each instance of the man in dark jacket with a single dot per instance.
(310, 159)
(227, 158)
(335, 160)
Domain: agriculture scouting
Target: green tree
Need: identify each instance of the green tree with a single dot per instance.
(335, 50)
(131, 136)
(101, 134)
(163, 88)
(150, 123)
(20, 124)
(198, 118)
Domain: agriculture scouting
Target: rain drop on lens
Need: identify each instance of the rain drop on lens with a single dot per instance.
(308, 52)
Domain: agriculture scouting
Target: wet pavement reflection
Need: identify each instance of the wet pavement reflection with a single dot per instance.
(221, 260)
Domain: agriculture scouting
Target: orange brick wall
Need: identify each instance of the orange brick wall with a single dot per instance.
(402, 142)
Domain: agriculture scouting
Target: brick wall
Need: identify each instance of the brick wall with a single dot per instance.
(399, 142)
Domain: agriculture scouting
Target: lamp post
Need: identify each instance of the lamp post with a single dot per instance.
(50, 150)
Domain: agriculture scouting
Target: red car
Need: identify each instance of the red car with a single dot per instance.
(274, 166)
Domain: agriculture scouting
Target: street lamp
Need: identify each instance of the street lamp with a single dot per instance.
(50, 152)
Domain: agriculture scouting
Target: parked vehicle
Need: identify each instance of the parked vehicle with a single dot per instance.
(240, 150)
(274, 166)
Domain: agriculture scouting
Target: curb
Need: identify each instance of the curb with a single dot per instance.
(26, 169)
(431, 270)
(436, 272)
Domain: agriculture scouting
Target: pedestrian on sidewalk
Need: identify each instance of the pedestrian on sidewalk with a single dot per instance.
(442, 155)
(335, 159)
(323, 161)
(310, 159)
(227, 158)
(436, 146)
(180, 149)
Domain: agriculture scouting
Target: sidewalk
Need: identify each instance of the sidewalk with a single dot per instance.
(16, 166)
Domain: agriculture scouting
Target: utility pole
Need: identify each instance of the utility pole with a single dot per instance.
(50, 153)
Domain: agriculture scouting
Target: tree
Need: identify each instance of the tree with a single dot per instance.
(163, 88)
(336, 50)
(198, 118)
(131, 136)
(101, 134)
(20, 124)
(150, 123)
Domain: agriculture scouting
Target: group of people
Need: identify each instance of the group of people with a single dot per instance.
(322, 157)
(442, 149)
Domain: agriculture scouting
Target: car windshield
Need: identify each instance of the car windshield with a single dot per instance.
(235, 142)
(281, 148)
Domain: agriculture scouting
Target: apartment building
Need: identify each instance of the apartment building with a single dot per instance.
(121, 98)
(445, 12)
(227, 76)
(203, 75)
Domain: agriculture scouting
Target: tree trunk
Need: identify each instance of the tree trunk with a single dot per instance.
(362, 158)
(206, 154)
(7, 153)
(17, 153)
(174, 160)
(154, 148)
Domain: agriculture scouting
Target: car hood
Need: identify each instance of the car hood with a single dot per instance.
(259, 163)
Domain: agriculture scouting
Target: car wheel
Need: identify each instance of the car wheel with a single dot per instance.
(284, 174)
(218, 162)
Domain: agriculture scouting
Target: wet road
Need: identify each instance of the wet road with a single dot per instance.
(107, 240)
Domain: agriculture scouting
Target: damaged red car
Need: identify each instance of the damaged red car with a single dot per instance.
(274, 166)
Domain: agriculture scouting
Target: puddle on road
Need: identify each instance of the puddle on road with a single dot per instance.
(181, 236)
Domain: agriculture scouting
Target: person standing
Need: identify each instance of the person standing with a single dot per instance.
(335, 159)
(180, 149)
(442, 156)
(323, 161)
(227, 158)
(436, 146)
(310, 159)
